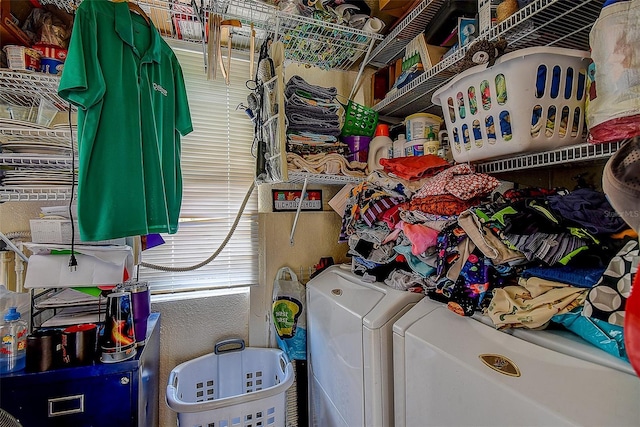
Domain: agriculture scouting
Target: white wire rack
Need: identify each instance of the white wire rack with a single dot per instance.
(26, 89)
(561, 156)
(36, 160)
(307, 40)
(58, 138)
(39, 162)
(316, 178)
(40, 194)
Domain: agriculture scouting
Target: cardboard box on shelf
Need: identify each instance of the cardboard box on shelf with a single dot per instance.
(398, 70)
(396, 8)
(380, 84)
(430, 55)
(12, 15)
(486, 15)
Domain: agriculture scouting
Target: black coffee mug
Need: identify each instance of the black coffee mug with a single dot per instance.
(44, 350)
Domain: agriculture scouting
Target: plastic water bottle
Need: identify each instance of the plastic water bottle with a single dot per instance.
(13, 348)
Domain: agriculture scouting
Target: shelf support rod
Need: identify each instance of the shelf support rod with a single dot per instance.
(200, 16)
(362, 65)
(295, 220)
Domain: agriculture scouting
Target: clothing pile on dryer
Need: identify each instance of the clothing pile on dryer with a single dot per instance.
(525, 257)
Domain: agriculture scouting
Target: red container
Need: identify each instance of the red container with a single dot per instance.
(51, 51)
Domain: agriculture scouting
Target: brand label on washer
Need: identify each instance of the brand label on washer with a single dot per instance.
(500, 364)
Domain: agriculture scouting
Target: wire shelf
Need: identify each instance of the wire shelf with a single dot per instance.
(307, 40)
(40, 194)
(40, 135)
(36, 161)
(393, 45)
(561, 156)
(322, 44)
(317, 178)
(26, 89)
(565, 23)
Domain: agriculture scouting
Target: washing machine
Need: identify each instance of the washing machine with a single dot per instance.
(459, 371)
(350, 348)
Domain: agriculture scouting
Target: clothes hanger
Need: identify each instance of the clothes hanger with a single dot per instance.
(134, 7)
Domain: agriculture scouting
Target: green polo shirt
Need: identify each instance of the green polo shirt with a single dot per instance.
(132, 108)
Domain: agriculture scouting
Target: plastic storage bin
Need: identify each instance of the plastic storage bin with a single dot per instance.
(359, 120)
(530, 100)
(231, 387)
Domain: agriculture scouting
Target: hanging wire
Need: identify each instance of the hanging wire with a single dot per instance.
(73, 262)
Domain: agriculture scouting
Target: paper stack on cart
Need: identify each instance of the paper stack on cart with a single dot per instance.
(97, 265)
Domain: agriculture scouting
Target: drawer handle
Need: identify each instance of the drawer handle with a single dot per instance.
(66, 405)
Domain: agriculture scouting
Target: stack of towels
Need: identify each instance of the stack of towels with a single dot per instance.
(313, 127)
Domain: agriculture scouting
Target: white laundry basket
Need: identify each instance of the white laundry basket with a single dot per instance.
(234, 386)
(530, 100)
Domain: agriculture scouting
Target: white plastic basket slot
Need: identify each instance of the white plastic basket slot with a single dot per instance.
(530, 100)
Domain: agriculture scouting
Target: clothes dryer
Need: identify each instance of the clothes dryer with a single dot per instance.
(349, 345)
(459, 371)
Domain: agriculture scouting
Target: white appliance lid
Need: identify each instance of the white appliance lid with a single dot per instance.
(376, 303)
(574, 390)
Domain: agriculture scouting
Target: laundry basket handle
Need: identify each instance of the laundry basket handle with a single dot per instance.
(227, 346)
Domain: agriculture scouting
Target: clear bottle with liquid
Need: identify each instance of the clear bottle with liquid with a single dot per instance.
(13, 347)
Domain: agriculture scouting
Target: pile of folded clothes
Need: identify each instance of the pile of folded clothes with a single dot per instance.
(313, 127)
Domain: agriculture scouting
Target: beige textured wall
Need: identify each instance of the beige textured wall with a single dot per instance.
(190, 328)
(316, 233)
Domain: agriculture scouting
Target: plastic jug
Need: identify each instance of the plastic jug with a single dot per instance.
(380, 147)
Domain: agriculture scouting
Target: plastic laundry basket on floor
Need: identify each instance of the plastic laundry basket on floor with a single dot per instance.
(231, 387)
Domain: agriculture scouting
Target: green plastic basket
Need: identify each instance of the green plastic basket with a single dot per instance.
(359, 120)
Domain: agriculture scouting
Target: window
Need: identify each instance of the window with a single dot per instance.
(217, 171)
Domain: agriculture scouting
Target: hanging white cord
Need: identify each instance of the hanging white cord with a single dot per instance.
(222, 245)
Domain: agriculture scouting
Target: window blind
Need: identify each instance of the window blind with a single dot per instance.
(217, 170)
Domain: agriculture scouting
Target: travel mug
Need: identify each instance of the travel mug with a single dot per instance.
(141, 308)
(44, 350)
(118, 342)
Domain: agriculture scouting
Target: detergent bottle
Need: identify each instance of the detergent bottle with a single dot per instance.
(380, 147)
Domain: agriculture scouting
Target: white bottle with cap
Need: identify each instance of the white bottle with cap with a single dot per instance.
(380, 147)
(399, 146)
